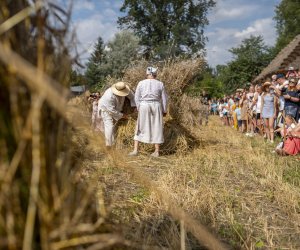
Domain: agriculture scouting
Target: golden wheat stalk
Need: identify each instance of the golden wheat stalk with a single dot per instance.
(19, 17)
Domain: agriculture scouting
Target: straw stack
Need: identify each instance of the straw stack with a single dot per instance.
(183, 111)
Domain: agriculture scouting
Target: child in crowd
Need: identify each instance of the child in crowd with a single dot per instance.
(220, 109)
(244, 112)
(225, 112)
(291, 138)
(238, 116)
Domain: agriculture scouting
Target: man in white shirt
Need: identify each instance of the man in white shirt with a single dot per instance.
(151, 102)
(110, 108)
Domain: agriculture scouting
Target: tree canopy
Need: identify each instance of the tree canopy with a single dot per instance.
(94, 74)
(112, 58)
(249, 58)
(120, 52)
(167, 28)
(287, 17)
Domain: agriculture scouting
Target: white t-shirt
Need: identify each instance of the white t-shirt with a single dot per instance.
(220, 107)
(225, 108)
(281, 98)
(258, 103)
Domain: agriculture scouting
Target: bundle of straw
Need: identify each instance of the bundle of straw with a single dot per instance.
(177, 138)
(175, 74)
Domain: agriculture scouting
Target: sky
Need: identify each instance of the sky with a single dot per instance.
(230, 21)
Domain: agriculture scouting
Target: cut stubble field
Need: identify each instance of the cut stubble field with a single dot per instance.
(248, 196)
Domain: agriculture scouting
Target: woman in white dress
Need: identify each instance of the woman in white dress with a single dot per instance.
(151, 102)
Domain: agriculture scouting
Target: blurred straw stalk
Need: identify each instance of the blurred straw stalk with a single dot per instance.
(40, 166)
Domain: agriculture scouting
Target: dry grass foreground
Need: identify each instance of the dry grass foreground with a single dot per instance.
(247, 195)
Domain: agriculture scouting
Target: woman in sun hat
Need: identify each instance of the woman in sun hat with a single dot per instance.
(151, 102)
(269, 108)
(110, 108)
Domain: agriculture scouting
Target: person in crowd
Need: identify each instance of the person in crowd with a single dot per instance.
(238, 93)
(256, 105)
(274, 80)
(231, 107)
(214, 107)
(281, 83)
(250, 125)
(110, 107)
(236, 114)
(290, 124)
(96, 122)
(225, 112)
(220, 109)
(268, 110)
(290, 144)
(151, 101)
(292, 98)
(292, 73)
(244, 112)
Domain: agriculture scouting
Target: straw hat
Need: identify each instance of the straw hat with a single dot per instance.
(120, 89)
(266, 84)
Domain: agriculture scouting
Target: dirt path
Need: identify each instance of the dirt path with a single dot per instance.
(235, 185)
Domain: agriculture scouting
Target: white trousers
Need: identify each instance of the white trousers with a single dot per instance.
(109, 128)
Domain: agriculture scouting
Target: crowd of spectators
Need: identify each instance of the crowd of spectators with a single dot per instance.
(270, 109)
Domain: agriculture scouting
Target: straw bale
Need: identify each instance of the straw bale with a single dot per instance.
(183, 111)
(176, 75)
(177, 138)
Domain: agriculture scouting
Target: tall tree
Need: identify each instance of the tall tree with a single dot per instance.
(77, 78)
(111, 59)
(209, 83)
(167, 27)
(287, 19)
(120, 52)
(249, 58)
(93, 73)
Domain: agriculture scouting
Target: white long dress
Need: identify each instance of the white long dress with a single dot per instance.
(110, 109)
(151, 102)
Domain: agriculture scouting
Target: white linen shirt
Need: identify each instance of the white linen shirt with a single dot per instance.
(113, 104)
(151, 90)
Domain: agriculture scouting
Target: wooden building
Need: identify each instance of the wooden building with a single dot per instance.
(287, 57)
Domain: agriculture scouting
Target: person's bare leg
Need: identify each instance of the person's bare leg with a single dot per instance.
(135, 151)
(252, 122)
(136, 146)
(267, 130)
(244, 126)
(156, 152)
(271, 127)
